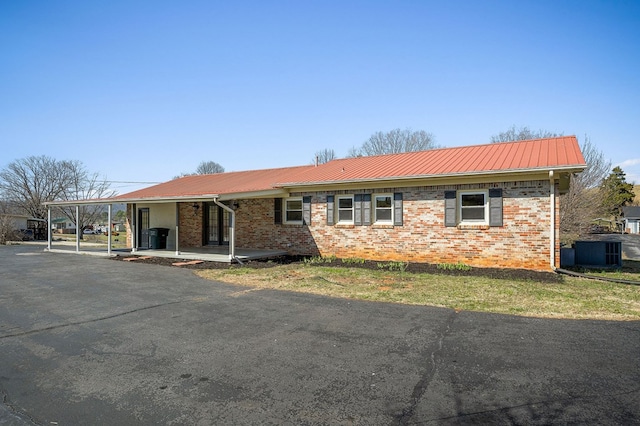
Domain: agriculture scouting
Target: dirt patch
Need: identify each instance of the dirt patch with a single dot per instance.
(497, 273)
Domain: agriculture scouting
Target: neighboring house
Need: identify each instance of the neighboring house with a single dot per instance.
(487, 205)
(26, 227)
(631, 219)
(62, 225)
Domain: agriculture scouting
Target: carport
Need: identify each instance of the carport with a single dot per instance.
(227, 253)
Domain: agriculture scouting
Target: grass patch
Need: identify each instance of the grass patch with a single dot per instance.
(630, 271)
(570, 297)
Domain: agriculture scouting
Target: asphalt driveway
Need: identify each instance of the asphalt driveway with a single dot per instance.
(86, 340)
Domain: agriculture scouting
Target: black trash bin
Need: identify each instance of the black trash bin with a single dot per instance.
(158, 238)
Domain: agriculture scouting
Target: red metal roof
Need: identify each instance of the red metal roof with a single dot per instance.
(218, 184)
(540, 154)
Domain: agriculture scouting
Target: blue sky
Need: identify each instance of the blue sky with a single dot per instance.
(143, 91)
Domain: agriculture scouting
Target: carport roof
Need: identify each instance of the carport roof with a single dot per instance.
(559, 154)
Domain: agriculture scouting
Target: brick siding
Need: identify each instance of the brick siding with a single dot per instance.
(522, 242)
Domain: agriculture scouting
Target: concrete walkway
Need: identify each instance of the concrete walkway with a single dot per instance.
(211, 254)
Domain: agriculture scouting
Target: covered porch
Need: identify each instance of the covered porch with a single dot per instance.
(185, 220)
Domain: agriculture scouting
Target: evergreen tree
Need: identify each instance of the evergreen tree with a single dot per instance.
(616, 192)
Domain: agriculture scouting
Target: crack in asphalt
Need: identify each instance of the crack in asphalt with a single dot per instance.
(423, 384)
(69, 324)
(7, 409)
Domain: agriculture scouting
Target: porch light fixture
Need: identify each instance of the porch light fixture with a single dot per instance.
(196, 207)
(235, 205)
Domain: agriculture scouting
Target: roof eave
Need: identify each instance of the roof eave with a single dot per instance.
(173, 198)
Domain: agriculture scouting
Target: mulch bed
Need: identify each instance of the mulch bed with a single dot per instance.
(499, 273)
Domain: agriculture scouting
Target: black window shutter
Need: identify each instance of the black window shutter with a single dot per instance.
(277, 210)
(495, 207)
(330, 216)
(397, 209)
(450, 208)
(306, 210)
(366, 209)
(357, 209)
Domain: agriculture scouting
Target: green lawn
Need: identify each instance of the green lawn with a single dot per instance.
(575, 298)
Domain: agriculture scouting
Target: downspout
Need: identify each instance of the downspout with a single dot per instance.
(134, 228)
(552, 232)
(232, 225)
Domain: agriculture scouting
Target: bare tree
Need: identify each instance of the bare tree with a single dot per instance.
(6, 223)
(29, 182)
(583, 202)
(521, 134)
(395, 141)
(84, 186)
(209, 168)
(204, 168)
(324, 156)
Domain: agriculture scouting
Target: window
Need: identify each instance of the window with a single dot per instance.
(293, 210)
(473, 207)
(363, 209)
(345, 209)
(383, 209)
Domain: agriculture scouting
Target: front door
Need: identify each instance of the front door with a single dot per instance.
(217, 220)
(143, 228)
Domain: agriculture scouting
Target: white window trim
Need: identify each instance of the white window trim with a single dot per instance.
(285, 210)
(376, 221)
(337, 210)
(486, 207)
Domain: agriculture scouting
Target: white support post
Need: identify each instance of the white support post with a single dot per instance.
(49, 236)
(177, 228)
(109, 229)
(78, 230)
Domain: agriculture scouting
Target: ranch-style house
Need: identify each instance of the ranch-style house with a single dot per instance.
(483, 205)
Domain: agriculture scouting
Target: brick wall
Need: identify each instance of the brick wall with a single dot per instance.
(255, 228)
(522, 242)
(191, 225)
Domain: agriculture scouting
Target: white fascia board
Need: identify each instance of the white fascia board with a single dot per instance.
(173, 199)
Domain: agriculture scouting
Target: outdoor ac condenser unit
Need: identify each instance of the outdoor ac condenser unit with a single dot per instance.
(604, 254)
